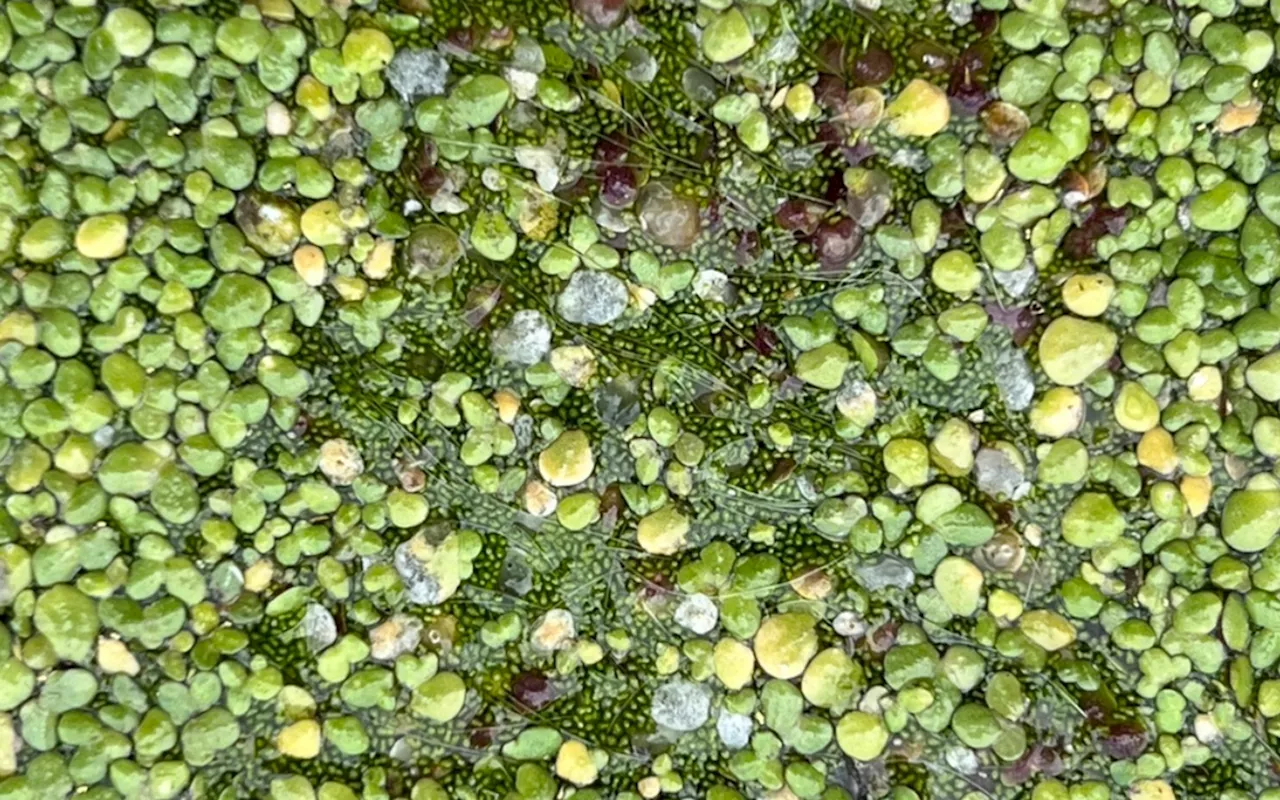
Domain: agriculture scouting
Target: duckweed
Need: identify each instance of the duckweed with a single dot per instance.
(716, 399)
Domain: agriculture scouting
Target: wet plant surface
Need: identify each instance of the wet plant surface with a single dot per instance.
(625, 399)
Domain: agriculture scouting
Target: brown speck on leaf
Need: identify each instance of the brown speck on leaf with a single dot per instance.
(1124, 740)
(481, 738)
(531, 691)
(782, 469)
(412, 478)
(882, 637)
(764, 340)
(611, 505)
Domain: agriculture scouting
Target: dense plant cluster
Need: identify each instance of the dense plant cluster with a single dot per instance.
(637, 399)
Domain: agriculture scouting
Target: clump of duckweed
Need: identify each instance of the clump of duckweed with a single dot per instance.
(628, 399)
